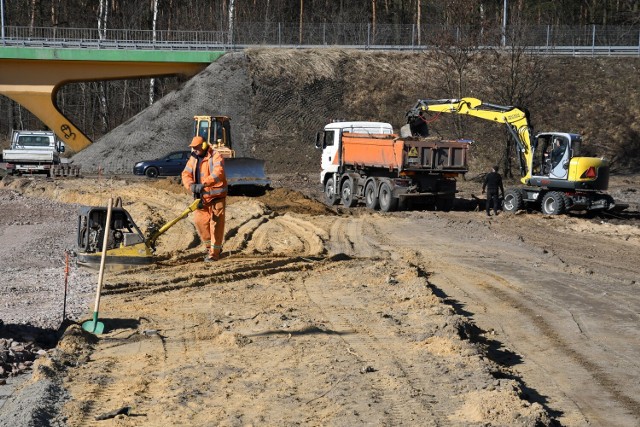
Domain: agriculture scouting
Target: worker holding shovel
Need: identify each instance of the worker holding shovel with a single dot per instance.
(204, 176)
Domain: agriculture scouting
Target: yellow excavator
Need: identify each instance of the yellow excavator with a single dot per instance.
(556, 178)
(244, 174)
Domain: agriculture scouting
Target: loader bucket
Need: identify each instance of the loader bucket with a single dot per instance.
(246, 175)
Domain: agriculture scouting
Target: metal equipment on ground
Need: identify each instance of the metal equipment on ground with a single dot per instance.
(125, 244)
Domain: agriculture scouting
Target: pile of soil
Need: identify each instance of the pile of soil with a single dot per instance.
(279, 99)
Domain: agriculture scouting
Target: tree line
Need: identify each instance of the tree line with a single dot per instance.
(215, 14)
(97, 107)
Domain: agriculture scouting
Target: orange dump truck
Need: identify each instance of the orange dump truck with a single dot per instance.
(366, 161)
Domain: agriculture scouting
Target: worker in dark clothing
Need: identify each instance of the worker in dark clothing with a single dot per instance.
(418, 125)
(493, 183)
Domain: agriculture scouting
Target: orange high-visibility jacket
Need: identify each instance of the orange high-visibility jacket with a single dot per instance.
(212, 176)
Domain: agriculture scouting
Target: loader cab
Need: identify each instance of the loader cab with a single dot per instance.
(216, 130)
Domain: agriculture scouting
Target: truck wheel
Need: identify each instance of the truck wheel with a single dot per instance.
(348, 193)
(512, 201)
(553, 203)
(330, 196)
(151, 172)
(370, 198)
(388, 203)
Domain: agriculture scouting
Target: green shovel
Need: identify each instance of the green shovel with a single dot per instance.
(94, 326)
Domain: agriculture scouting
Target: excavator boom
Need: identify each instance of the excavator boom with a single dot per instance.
(516, 120)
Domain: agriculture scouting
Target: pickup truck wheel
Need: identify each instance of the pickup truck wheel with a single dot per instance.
(330, 196)
(370, 198)
(151, 172)
(553, 203)
(388, 203)
(348, 193)
(512, 201)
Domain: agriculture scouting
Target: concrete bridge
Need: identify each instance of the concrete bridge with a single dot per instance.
(32, 76)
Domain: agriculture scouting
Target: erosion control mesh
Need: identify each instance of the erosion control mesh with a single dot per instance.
(278, 99)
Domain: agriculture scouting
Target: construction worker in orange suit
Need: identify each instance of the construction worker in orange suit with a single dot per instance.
(204, 176)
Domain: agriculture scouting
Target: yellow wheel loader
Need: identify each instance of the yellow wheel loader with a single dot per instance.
(556, 178)
(126, 245)
(245, 175)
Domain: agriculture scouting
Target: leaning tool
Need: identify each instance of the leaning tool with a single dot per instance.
(127, 246)
(94, 326)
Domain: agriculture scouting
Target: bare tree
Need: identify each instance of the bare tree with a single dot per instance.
(102, 91)
(516, 78)
(301, 13)
(231, 20)
(152, 81)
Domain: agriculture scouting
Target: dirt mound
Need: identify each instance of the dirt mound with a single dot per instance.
(279, 99)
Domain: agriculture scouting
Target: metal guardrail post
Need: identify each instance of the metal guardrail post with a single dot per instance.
(593, 41)
(368, 36)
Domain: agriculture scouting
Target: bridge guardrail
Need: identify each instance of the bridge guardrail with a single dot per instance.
(587, 41)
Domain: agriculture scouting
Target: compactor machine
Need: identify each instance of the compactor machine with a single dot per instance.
(126, 245)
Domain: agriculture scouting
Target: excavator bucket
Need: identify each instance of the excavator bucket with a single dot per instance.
(246, 175)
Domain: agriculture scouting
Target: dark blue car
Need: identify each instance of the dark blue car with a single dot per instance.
(170, 165)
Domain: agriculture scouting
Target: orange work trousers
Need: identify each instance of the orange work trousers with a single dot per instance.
(209, 222)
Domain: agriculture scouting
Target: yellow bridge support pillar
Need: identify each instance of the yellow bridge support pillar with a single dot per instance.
(33, 83)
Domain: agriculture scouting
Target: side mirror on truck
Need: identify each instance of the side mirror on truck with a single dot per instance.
(60, 147)
(318, 144)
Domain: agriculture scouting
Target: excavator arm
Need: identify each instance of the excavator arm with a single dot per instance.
(517, 122)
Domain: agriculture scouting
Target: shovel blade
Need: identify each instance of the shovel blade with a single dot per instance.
(93, 326)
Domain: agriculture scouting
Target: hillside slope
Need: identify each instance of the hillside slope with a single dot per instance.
(279, 99)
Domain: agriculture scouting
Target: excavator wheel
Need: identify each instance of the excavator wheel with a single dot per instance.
(553, 203)
(512, 201)
(330, 195)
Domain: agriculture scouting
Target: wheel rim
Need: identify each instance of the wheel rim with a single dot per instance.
(346, 192)
(549, 205)
(384, 196)
(329, 189)
(508, 202)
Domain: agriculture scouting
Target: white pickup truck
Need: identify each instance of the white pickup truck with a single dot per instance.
(37, 152)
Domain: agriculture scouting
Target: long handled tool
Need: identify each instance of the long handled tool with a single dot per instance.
(94, 326)
(66, 281)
